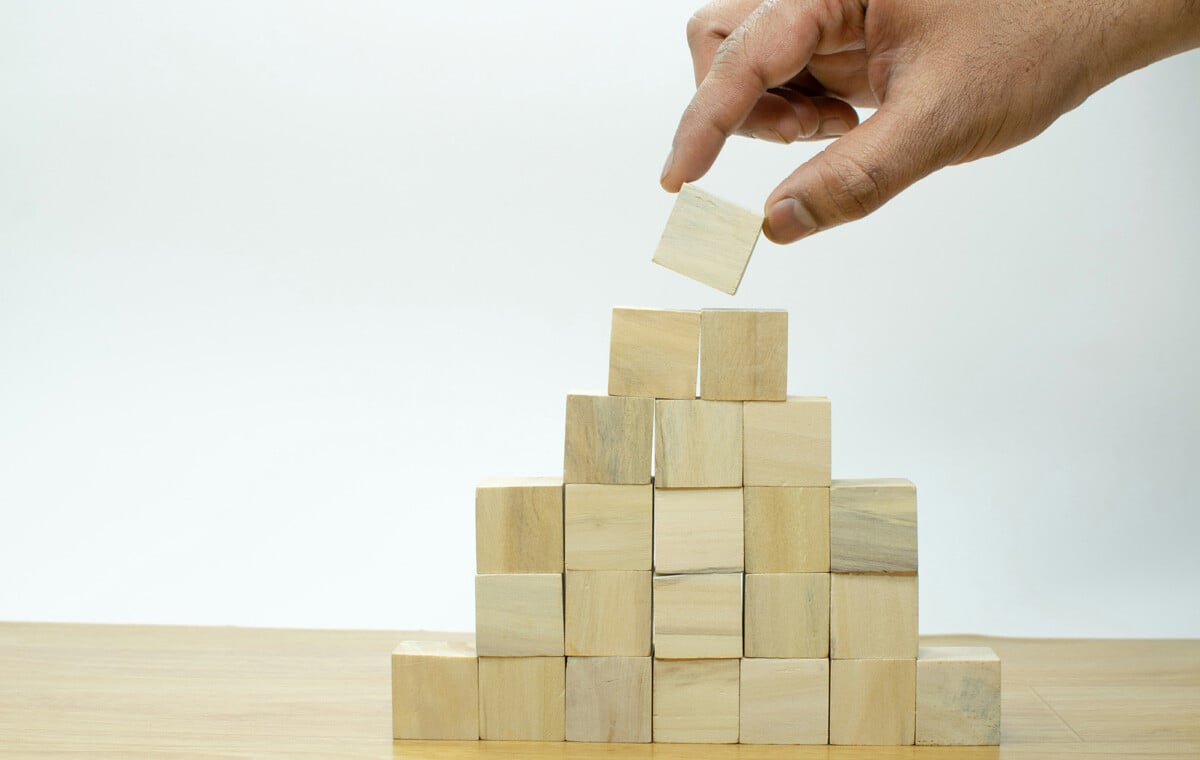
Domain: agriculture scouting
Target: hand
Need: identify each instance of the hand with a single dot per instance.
(953, 81)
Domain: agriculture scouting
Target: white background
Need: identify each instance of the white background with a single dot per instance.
(280, 281)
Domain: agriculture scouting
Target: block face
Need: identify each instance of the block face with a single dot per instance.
(872, 702)
(743, 355)
(522, 698)
(787, 615)
(958, 696)
(698, 530)
(873, 617)
(519, 526)
(609, 699)
(435, 691)
(654, 353)
(787, 443)
(708, 239)
(608, 439)
(786, 529)
(609, 527)
(873, 526)
(698, 444)
(785, 701)
(696, 701)
(698, 616)
(608, 613)
(519, 615)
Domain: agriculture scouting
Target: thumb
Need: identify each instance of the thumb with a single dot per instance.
(854, 176)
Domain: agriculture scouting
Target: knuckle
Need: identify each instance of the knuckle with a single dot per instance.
(702, 26)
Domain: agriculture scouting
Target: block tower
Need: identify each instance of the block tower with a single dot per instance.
(696, 575)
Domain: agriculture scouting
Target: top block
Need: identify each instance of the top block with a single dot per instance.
(608, 439)
(708, 239)
(743, 355)
(654, 352)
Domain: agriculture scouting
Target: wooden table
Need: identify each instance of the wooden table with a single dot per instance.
(148, 691)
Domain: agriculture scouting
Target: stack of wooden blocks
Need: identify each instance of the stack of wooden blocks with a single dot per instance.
(739, 594)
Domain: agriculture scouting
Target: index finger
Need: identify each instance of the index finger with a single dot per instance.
(771, 46)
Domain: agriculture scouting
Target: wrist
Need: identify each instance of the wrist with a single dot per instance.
(1137, 33)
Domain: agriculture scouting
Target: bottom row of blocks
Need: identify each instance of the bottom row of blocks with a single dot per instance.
(442, 691)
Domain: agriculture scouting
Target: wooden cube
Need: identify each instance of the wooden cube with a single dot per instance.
(787, 615)
(873, 526)
(785, 702)
(872, 701)
(786, 529)
(698, 530)
(708, 239)
(654, 352)
(519, 525)
(519, 615)
(609, 527)
(608, 613)
(609, 699)
(743, 355)
(958, 696)
(873, 617)
(608, 439)
(787, 443)
(522, 698)
(697, 616)
(435, 690)
(696, 701)
(698, 444)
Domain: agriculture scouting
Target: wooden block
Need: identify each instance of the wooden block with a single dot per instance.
(697, 616)
(698, 530)
(608, 439)
(696, 701)
(958, 696)
(654, 352)
(708, 239)
(787, 615)
(785, 702)
(873, 617)
(609, 527)
(519, 615)
(787, 529)
(873, 526)
(522, 698)
(743, 355)
(698, 444)
(872, 701)
(787, 443)
(609, 699)
(608, 613)
(519, 525)
(435, 690)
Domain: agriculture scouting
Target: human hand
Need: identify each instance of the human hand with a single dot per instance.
(953, 81)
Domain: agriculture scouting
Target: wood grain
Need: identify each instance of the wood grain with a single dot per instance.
(696, 701)
(873, 526)
(519, 615)
(743, 355)
(609, 527)
(519, 525)
(608, 613)
(654, 352)
(787, 443)
(786, 530)
(873, 616)
(785, 701)
(608, 439)
(872, 701)
(958, 696)
(787, 615)
(698, 616)
(435, 690)
(708, 239)
(609, 699)
(522, 698)
(698, 444)
(698, 530)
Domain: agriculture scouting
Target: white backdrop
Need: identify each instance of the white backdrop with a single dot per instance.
(280, 281)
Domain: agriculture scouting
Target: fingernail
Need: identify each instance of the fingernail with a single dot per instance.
(770, 135)
(667, 166)
(834, 126)
(788, 220)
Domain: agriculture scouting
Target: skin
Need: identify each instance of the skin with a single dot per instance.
(952, 81)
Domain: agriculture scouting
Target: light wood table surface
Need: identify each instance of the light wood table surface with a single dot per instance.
(153, 692)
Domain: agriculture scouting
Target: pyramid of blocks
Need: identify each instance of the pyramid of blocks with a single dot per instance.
(696, 575)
